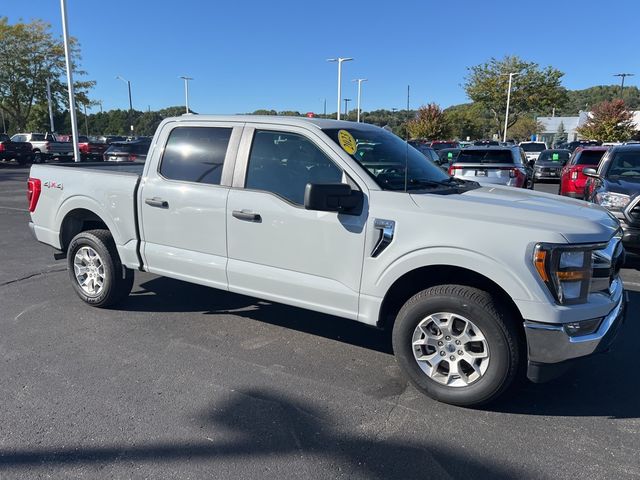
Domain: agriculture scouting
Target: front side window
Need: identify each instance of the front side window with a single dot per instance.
(283, 163)
(625, 164)
(195, 154)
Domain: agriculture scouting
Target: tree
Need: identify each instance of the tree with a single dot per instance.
(29, 56)
(534, 89)
(609, 122)
(584, 99)
(561, 135)
(429, 123)
(524, 128)
(468, 120)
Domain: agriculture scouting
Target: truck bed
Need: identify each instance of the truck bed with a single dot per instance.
(108, 167)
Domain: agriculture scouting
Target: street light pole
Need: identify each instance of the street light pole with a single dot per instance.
(622, 77)
(359, 80)
(130, 103)
(346, 108)
(86, 121)
(186, 91)
(51, 124)
(72, 97)
(339, 60)
(506, 114)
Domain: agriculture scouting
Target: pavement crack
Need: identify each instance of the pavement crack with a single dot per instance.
(31, 275)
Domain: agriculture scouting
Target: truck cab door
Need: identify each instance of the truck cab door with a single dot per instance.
(182, 202)
(277, 249)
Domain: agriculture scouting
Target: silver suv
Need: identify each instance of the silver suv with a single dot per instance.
(496, 165)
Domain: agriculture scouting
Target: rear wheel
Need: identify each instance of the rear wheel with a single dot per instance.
(456, 345)
(97, 275)
(38, 157)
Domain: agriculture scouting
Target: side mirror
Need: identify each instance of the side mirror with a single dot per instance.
(333, 197)
(590, 172)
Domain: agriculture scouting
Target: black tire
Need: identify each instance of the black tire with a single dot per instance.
(118, 280)
(480, 308)
(38, 157)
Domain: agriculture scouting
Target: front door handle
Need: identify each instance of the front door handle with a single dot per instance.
(156, 202)
(247, 216)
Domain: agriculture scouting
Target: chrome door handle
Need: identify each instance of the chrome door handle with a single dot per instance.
(156, 202)
(247, 216)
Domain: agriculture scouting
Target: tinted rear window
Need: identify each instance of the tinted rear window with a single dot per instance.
(440, 146)
(484, 156)
(533, 147)
(589, 157)
(195, 154)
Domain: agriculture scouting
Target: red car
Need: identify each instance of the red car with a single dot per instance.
(572, 179)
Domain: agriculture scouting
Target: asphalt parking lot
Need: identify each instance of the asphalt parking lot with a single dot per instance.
(183, 381)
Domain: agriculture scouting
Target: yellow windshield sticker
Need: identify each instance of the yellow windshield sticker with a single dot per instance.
(347, 142)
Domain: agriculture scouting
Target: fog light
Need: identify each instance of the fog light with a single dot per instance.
(585, 327)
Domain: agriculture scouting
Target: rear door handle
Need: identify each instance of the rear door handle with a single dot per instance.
(156, 202)
(247, 216)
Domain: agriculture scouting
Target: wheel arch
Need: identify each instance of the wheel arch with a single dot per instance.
(79, 220)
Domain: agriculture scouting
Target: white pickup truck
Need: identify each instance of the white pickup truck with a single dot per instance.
(479, 284)
(45, 146)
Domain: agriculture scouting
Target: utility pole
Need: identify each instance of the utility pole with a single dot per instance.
(325, 108)
(130, 103)
(51, 123)
(346, 108)
(506, 115)
(622, 77)
(339, 60)
(72, 97)
(186, 91)
(359, 80)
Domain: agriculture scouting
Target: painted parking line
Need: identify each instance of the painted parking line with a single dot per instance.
(13, 208)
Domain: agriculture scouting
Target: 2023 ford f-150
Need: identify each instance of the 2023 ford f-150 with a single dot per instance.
(478, 284)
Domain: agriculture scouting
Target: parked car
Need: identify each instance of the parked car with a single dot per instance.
(571, 146)
(134, 151)
(616, 186)
(486, 143)
(45, 146)
(18, 151)
(90, 150)
(426, 150)
(109, 139)
(447, 156)
(440, 144)
(495, 165)
(549, 164)
(572, 179)
(477, 284)
(533, 149)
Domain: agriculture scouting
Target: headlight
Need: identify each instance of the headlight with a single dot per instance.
(613, 201)
(565, 270)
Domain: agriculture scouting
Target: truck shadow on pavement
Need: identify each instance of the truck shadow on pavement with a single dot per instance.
(598, 386)
(303, 442)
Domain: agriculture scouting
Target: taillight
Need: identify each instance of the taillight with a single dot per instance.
(34, 187)
(453, 168)
(518, 175)
(83, 147)
(1, 147)
(132, 157)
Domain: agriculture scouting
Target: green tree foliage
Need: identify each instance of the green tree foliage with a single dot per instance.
(468, 120)
(585, 99)
(29, 56)
(429, 123)
(523, 129)
(534, 89)
(561, 134)
(610, 122)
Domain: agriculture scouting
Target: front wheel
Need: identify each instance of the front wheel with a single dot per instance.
(97, 275)
(456, 345)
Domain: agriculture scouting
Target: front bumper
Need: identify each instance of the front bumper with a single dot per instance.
(552, 350)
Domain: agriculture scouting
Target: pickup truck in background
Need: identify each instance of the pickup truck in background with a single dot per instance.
(18, 151)
(45, 146)
(89, 150)
(478, 284)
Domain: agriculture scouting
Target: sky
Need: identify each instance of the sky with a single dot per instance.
(252, 54)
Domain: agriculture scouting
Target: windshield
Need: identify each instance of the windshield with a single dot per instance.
(589, 157)
(533, 147)
(384, 156)
(559, 156)
(625, 164)
(485, 155)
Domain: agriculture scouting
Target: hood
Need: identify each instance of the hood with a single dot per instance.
(627, 185)
(545, 214)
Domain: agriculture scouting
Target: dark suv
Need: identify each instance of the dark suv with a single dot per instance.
(616, 186)
(134, 151)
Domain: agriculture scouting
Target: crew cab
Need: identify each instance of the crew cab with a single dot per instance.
(572, 178)
(90, 150)
(345, 218)
(45, 146)
(18, 151)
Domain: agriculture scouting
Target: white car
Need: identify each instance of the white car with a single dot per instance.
(533, 149)
(477, 283)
